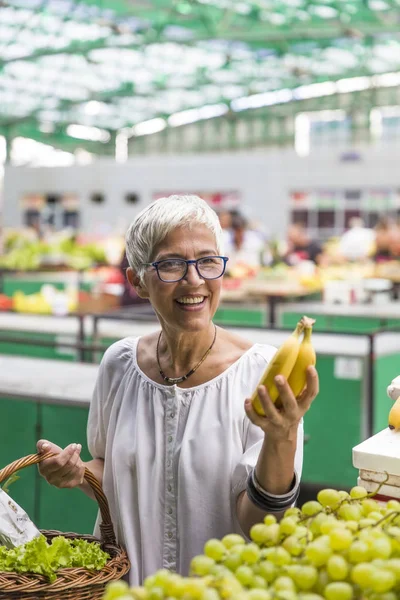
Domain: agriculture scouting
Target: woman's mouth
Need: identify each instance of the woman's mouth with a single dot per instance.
(191, 302)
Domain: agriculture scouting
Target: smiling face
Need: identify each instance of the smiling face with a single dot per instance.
(191, 303)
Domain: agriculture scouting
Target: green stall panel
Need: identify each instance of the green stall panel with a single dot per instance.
(58, 352)
(256, 317)
(332, 427)
(65, 509)
(18, 427)
(289, 320)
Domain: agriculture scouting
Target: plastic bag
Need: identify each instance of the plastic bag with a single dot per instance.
(16, 528)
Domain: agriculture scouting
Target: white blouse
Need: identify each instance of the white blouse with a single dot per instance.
(175, 459)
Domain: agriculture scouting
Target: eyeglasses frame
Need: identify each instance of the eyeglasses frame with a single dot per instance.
(188, 262)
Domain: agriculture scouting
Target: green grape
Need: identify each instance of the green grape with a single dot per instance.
(337, 567)
(386, 596)
(350, 512)
(286, 595)
(319, 551)
(174, 586)
(315, 524)
(330, 523)
(309, 596)
(135, 593)
(293, 511)
(380, 548)
(362, 575)
(340, 538)
(161, 577)
(250, 553)
(232, 539)
(311, 508)
(258, 582)
(366, 523)
(358, 492)
(233, 560)
(339, 590)
(149, 582)
(264, 534)
(215, 549)
(193, 587)
(352, 526)
(329, 497)
(358, 552)
(283, 583)
(279, 556)
(258, 594)
(305, 576)
(201, 565)
(268, 570)
(393, 564)
(210, 594)
(369, 505)
(393, 505)
(322, 582)
(293, 545)
(244, 575)
(375, 515)
(382, 580)
(344, 495)
(270, 519)
(287, 526)
(156, 593)
(115, 590)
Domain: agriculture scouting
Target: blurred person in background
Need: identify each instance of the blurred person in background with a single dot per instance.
(244, 246)
(384, 230)
(394, 244)
(358, 242)
(301, 247)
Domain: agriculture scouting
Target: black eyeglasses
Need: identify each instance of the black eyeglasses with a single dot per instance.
(171, 270)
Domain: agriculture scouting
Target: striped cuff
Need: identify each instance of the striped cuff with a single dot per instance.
(271, 502)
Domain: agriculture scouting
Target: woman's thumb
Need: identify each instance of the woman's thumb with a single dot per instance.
(46, 446)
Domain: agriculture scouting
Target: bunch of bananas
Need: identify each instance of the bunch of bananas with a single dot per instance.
(291, 360)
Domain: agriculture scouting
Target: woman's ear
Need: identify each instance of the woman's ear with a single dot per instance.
(135, 282)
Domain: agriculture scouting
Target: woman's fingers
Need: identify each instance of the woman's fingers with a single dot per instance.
(311, 390)
(286, 397)
(65, 467)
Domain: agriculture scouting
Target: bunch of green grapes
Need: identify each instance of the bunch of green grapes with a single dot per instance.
(342, 546)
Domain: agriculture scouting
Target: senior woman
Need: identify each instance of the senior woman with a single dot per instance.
(180, 452)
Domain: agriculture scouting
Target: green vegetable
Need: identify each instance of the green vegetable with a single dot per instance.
(38, 556)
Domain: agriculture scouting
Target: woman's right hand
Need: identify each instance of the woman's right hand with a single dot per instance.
(66, 470)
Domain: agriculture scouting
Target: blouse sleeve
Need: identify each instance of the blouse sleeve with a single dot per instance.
(110, 375)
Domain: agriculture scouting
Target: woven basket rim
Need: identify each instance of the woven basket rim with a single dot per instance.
(117, 566)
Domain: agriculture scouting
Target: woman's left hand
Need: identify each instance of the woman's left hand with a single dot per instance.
(281, 422)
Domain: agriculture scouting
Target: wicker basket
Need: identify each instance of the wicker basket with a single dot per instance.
(72, 583)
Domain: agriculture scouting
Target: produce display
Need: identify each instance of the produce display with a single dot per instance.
(39, 556)
(341, 546)
(291, 360)
(394, 393)
(22, 252)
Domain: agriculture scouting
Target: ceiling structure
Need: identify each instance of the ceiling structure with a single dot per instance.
(117, 64)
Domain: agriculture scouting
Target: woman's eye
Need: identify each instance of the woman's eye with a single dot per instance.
(170, 265)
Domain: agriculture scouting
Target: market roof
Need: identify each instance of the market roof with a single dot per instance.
(115, 64)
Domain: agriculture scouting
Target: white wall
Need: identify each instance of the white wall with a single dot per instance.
(263, 178)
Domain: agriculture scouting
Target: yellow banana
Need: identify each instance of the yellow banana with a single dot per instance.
(306, 357)
(281, 364)
(394, 415)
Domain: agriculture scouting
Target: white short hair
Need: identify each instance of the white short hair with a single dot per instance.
(161, 217)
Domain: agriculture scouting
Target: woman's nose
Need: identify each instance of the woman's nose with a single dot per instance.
(192, 276)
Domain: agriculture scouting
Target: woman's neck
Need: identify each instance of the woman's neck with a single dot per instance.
(179, 352)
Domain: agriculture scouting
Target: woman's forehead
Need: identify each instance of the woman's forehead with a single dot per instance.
(196, 237)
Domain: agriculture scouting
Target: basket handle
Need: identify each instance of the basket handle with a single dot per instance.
(106, 526)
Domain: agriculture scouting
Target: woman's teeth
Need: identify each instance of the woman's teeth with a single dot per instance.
(191, 300)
